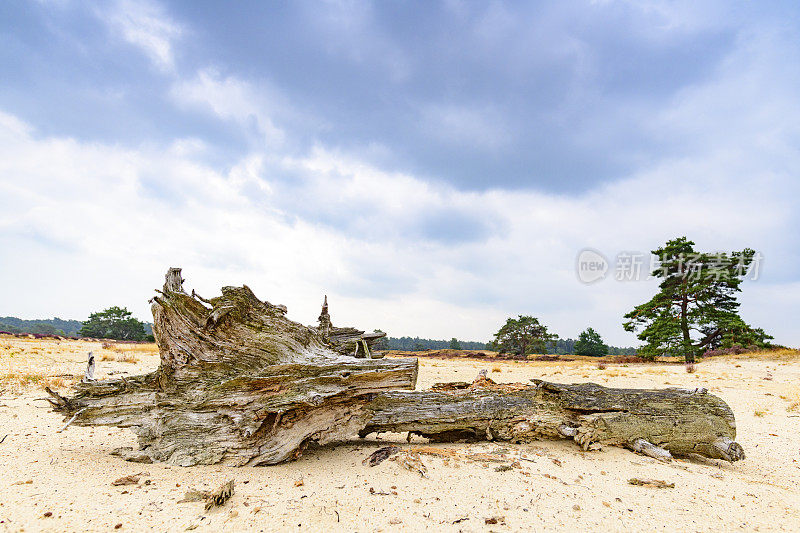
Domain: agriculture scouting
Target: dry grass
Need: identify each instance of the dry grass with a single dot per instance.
(601, 365)
(128, 357)
(690, 368)
(497, 368)
(781, 354)
(760, 413)
(27, 363)
(16, 382)
(793, 399)
(145, 348)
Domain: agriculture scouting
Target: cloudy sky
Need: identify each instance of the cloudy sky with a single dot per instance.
(433, 167)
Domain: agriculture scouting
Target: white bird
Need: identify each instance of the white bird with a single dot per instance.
(89, 369)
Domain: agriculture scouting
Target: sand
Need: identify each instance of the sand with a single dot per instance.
(63, 481)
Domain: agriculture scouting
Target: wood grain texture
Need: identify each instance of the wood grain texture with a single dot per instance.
(679, 421)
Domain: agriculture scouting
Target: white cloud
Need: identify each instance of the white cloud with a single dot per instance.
(231, 99)
(96, 223)
(93, 225)
(145, 24)
(85, 225)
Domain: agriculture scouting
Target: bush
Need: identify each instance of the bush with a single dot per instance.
(622, 359)
(733, 350)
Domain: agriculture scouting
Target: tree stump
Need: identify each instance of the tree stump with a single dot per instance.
(240, 384)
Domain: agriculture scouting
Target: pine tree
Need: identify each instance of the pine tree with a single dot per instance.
(523, 335)
(696, 307)
(113, 323)
(590, 343)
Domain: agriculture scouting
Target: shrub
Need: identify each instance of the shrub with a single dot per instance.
(128, 358)
(624, 359)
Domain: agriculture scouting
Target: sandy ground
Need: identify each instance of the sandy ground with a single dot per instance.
(62, 481)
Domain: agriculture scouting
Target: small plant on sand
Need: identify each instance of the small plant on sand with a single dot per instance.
(497, 368)
(690, 368)
(759, 413)
(601, 365)
(793, 398)
(108, 357)
(128, 358)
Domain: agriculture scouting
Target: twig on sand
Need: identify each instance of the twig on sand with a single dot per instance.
(71, 420)
(655, 483)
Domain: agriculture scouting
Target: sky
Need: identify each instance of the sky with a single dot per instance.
(433, 167)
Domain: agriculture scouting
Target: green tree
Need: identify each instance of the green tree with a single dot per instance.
(113, 323)
(9, 328)
(523, 335)
(43, 328)
(381, 344)
(590, 343)
(696, 307)
(454, 344)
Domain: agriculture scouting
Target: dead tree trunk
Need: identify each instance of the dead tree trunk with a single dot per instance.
(241, 384)
(654, 422)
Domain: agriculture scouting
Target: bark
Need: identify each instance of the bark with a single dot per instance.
(238, 384)
(678, 421)
(688, 349)
(241, 384)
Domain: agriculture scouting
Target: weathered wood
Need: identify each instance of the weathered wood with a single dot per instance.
(241, 384)
(238, 384)
(677, 421)
(348, 341)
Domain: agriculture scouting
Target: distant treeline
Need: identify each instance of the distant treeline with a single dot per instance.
(567, 347)
(70, 328)
(48, 326)
(416, 344)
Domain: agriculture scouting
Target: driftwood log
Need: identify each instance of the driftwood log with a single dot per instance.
(241, 384)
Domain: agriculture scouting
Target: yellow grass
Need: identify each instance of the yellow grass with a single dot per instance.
(149, 348)
(782, 354)
(27, 363)
(128, 357)
(16, 382)
(793, 399)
